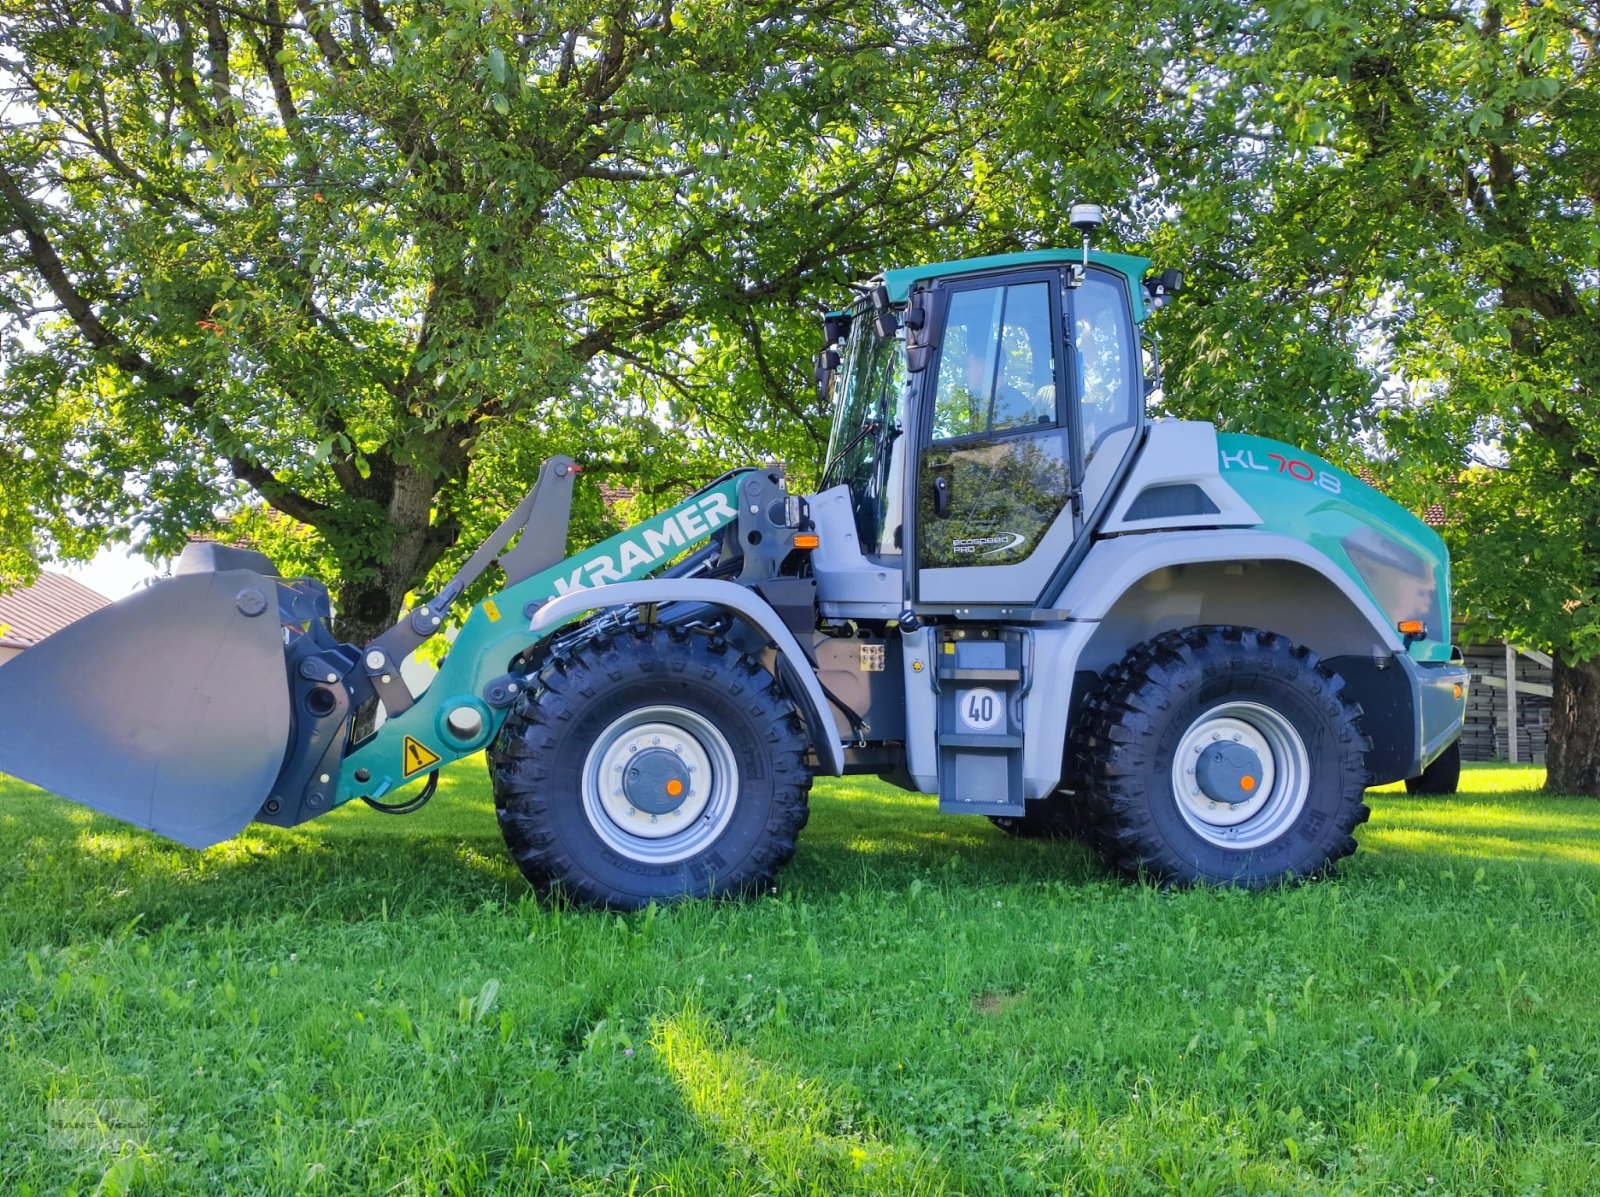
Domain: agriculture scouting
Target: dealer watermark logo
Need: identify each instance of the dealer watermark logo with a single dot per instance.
(95, 1124)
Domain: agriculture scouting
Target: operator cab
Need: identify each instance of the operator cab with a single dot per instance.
(984, 411)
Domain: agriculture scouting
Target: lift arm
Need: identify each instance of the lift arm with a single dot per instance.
(464, 706)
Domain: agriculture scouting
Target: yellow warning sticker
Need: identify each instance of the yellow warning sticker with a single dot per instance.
(491, 610)
(418, 756)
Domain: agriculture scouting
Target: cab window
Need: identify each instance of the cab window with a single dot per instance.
(1105, 360)
(994, 474)
(865, 452)
(997, 367)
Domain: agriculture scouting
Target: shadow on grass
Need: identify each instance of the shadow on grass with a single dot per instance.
(78, 873)
(68, 870)
(74, 872)
(886, 838)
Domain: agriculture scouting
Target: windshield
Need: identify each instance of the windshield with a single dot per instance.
(864, 451)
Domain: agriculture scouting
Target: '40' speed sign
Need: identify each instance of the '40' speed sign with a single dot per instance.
(981, 708)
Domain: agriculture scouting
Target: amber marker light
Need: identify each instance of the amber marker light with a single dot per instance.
(1412, 630)
(807, 540)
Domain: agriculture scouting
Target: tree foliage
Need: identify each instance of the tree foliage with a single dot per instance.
(1469, 137)
(1388, 216)
(370, 261)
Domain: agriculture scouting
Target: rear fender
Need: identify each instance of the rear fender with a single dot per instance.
(1116, 565)
(1134, 587)
(738, 601)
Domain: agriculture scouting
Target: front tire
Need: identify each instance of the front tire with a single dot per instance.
(1223, 755)
(1440, 778)
(651, 767)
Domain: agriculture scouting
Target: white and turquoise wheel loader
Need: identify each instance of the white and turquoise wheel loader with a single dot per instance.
(1013, 591)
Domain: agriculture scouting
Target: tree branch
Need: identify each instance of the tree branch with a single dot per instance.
(321, 30)
(217, 50)
(128, 359)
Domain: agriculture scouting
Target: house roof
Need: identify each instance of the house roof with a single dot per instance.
(1433, 514)
(611, 494)
(50, 604)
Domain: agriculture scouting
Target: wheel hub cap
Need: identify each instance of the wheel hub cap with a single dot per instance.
(656, 781)
(659, 784)
(1228, 772)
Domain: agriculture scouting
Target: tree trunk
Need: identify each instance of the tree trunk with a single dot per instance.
(1573, 758)
(367, 609)
(369, 605)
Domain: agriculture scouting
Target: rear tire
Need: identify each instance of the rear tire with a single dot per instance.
(651, 767)
(1441, 777)
(1222, 755)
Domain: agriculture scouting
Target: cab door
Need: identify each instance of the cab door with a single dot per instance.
(1032, 410)
(994, 483)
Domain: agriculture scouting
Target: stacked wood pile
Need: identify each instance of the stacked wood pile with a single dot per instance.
(1484, 738)
(1485, 705)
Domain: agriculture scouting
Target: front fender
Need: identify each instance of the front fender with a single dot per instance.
(733, 598)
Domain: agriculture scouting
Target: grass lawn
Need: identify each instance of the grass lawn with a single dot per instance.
(377, 1005)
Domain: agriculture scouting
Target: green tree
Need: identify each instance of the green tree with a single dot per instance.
(1467, 138)
(1388, 215)
(369, 262)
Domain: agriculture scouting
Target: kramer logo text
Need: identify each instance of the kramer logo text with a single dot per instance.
(646, 549)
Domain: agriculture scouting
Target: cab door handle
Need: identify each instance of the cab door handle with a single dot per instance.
(941, 497)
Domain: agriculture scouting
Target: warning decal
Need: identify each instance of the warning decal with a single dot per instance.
(418, 756)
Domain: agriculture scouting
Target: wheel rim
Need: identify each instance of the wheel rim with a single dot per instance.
(666, 745)
(1238, 732)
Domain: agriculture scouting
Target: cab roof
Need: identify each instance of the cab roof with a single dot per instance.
(900, 281)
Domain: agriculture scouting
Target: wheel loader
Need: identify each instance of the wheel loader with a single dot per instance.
(1013, 590)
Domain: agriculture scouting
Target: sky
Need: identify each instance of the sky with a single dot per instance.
(114, 572)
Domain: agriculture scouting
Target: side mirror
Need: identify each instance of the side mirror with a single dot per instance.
(827, 363)
(920, 342)
(1152, 362)
(883, 319)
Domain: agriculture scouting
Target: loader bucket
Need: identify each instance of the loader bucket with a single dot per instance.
(168, 709)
